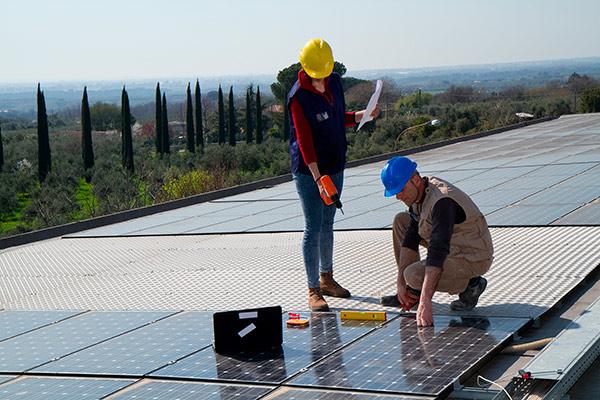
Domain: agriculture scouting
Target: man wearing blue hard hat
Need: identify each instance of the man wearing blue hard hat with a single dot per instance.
(448, 223)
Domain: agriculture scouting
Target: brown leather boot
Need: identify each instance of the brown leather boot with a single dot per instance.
(316, 302)
(330, 287)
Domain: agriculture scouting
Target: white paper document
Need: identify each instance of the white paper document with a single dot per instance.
(371, 105)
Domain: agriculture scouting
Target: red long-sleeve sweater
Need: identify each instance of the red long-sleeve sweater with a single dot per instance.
(303, 131)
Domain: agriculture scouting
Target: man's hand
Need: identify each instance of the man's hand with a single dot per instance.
(407, 299)
(425, 313)
(425, 310)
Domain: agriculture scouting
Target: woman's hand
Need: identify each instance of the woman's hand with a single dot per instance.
(358, 116)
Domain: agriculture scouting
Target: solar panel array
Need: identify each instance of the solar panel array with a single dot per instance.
(394, 357)
(538, 175)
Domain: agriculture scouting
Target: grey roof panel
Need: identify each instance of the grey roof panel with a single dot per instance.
(247, 270)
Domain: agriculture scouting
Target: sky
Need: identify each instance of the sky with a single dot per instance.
(62, 40)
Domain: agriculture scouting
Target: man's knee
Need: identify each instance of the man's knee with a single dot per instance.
(414, 275)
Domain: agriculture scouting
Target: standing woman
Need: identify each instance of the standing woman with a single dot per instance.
(318, 147)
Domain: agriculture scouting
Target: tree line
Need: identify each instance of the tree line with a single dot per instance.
(193, 126)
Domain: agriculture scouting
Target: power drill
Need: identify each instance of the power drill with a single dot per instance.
(329, 194)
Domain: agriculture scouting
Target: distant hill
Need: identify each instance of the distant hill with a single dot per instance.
(492, 77)
(19, 99)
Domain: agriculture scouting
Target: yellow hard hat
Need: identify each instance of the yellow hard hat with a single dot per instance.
(316, 58)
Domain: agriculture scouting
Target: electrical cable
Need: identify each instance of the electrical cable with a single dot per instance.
(493, 384)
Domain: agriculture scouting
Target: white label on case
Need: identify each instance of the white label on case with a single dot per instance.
(247, 330)
(248, 315)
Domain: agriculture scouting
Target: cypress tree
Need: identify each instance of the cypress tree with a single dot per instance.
(259, 130)
(198, 111)
(126, 132)
(166, 140)
(221, 117)
(232, 127)
(249, 114)
(189, 122)
(1, 150)
(158, 125)
(44, 157)
(87, 147)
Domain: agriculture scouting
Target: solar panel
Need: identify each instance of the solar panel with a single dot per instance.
(588, 214)
(192, 391)
(402, 358)
(301, 347)
(521, 215)
(13, 323)
(493, 197)
(563, 194)
(43, 345)
(141, 351)
(35, 388)
(311, 394)
(6, 378)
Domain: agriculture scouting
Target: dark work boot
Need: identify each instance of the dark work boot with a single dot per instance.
(467, 300)
(330, 287)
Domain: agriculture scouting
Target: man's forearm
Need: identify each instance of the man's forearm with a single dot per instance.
(432, 277)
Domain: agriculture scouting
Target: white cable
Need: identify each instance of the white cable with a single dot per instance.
(494, 384)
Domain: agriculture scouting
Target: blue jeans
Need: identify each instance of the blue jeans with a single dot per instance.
(317, 242)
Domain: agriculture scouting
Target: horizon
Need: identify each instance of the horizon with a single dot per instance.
(265, 75)
(67, 40)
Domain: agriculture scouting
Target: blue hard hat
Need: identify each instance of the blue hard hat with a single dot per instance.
(396, 173)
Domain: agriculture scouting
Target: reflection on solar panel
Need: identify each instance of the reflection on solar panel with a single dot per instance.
(301, 347)
(192, 391)
(5, 378)
(13, 323)
(311, 394)
(34, 388)
(143, 350)
(43, 345)
(402, 358)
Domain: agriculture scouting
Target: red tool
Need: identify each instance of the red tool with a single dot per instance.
(329, 193)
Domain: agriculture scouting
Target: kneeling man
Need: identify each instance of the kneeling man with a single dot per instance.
(447, 222)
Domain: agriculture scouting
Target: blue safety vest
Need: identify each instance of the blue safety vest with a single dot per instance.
(327, 127)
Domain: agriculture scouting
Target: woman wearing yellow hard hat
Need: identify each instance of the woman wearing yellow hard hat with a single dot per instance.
(318, 148)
